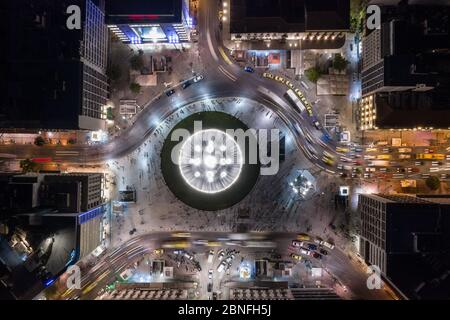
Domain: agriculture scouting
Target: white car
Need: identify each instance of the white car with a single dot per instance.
(222, 266)
(210, 256)
(230, 258)
(297, 243)
(305, 252)
(210, 273)
(327, 245)
(221, 255)
(188, 256)
(198, 78)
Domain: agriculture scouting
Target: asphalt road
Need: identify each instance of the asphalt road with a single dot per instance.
(107, 268)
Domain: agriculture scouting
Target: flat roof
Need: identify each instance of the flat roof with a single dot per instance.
(42, 75)
(143, 11)
(257, 16)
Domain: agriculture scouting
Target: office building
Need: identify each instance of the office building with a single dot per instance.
(407, 238)
(54, 77)
(76, 192)
(405, 78)
(145, 23)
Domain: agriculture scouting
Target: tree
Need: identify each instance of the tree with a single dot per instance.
(28, 166)
(135, 87)
(357, 15)
(109, 114)
(313, 74)
(137, 62)
(39, 141)
(114, 72)
(339, 62)
(72, 141)
(433, 182)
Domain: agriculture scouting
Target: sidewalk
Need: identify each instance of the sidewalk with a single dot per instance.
(176, 72)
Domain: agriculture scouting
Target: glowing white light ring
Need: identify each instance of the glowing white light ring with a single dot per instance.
(237, 152)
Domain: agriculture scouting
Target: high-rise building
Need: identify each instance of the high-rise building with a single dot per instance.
(406, 237)
(141, 22)
(54, 77)
(405, 81)
(76, 192)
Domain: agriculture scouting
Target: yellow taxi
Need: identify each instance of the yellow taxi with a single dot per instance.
(268, 75)
(280, 79)
(303, 237)
(296, 257)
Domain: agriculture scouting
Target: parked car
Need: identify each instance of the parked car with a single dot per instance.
(210, 256)
(222, 266)
(305, 251)
(296, 257)
(327, 245)
(210, 273)
(303, 237)
(221, 255)
(296, 243)
(317, 255)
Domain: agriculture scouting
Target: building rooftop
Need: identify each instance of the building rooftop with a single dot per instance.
(412, 110)
(41, 77)
(282, 16)
(143, 11)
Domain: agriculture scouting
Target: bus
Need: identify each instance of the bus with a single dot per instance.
(292, 97)
(430, 156)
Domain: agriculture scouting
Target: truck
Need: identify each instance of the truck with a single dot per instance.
(430, 156)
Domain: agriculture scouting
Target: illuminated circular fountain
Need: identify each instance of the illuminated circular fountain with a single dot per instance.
(210, 161)
(208, 169)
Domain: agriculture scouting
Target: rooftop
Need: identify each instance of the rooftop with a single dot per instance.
(143, 11)
(41, 77)
(256, 16)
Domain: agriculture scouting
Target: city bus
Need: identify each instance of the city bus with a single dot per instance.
(430, 156)
(292, 97)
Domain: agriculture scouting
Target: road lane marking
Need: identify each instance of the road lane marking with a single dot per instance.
(224, 56)
(227, 73)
